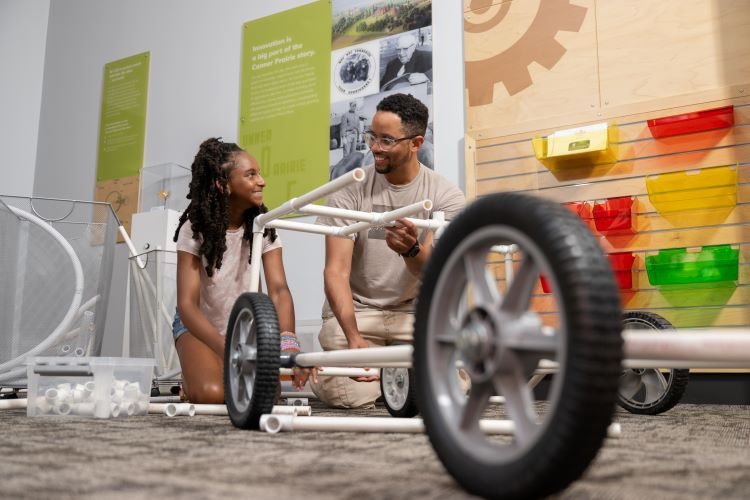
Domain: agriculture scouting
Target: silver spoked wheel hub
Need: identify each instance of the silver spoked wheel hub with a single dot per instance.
(244, 356)
(484, 326)
(642, 386)
(395, 386)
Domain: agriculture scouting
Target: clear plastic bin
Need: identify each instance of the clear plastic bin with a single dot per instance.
(89, 387)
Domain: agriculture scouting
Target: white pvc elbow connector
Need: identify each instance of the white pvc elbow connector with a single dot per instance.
(51, 395)
(131, 391)
(300, 411)
(276, 423)
(117, 395)
(84, 409)
(62, 408)
(43, 406)
(179, 409)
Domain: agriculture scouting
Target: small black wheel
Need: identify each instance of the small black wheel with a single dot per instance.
(650, 391)
(155, 392)
(470, 315)
(399, 393)
(251, 359)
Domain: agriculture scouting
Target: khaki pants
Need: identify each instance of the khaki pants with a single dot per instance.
(379, 328)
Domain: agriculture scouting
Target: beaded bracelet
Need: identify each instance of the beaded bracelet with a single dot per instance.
(289, 342)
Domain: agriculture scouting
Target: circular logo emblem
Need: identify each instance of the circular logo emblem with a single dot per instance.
(354, 71)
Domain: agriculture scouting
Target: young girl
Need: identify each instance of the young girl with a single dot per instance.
(213, 265)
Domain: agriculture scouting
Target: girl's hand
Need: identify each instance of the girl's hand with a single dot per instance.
(300, 376)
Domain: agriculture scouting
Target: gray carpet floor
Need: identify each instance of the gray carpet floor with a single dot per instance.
(690, 452)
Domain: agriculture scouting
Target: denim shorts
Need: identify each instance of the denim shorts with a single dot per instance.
(177, 327)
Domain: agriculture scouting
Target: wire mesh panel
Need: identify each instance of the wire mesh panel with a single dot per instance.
(55, 270)
(153, 299)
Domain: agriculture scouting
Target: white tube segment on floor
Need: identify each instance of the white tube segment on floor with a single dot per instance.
(13, 404)
(277, 423)
(179, 409)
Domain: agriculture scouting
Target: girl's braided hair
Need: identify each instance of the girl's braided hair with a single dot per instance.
(208, 210)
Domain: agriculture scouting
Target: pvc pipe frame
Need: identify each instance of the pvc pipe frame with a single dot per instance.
(277, 423)
(697, 348)
(303, 205)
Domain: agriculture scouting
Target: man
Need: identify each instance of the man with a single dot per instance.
(350, 129)
(417, 64)
(371, 279)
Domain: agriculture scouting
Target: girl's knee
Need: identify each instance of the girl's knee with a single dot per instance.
(206, 392)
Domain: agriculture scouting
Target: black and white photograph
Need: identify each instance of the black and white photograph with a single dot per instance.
(406, 59)
(351, 119)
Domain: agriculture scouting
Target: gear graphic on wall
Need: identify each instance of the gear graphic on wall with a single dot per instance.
(537, 44)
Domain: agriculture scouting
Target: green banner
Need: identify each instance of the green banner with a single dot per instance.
(122, 124)
(285, 98)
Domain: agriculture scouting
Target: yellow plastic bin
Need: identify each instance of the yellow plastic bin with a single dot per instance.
(584, 146)
(693, 189)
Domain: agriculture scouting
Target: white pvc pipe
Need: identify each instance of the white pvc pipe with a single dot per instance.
(730, 346)
(333, 371)
(356, 175)
(131, 247)
(298, 395)
(391, 356)
(342, 213)
(304, 227)
(13, 404)
(381, 219)
(164, 399)
(278, 423)
(63, 326)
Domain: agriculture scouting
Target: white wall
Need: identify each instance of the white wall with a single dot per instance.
(23, 33)
(193, 94)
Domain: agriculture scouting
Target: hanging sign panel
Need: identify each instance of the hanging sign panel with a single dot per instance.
(122, 123)
(284, 98)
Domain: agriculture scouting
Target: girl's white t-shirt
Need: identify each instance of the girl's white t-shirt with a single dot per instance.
(219, 292)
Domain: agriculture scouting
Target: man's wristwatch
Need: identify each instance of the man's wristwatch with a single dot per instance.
(413, 251)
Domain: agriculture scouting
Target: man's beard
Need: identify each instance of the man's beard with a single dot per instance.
(385, 170)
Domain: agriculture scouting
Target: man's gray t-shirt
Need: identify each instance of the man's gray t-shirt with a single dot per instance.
(379, 278)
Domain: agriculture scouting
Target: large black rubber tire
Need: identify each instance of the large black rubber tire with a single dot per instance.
(404, 404)
(583, 393)
(250, 385)
(673, 381)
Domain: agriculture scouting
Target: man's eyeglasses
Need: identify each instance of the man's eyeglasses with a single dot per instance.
(385, 143)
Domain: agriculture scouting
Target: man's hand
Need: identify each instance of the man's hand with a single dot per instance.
(401, 237)
(359, 343)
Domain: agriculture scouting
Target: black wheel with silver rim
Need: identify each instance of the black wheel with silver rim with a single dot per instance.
(497, 330)
(650, 391)
(399, 392)
(251, 359)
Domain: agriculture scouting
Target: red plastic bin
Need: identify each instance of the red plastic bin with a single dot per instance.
(687, 123)
(614, 216)
(583, 210)
(622, 265)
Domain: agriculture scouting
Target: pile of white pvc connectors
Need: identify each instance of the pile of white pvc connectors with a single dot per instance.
(124, 398)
